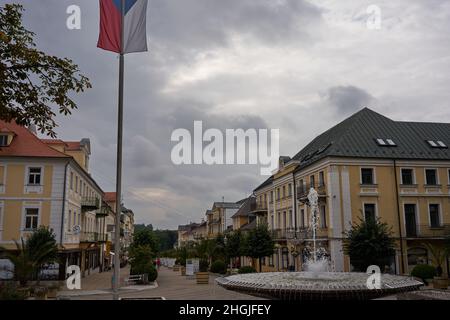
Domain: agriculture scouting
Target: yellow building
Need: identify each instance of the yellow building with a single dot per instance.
(47, 183)
(219, 218)
(366, 167)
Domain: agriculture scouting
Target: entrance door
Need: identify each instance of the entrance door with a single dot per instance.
(410, 220)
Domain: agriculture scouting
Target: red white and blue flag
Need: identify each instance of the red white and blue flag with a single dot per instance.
(134, 21)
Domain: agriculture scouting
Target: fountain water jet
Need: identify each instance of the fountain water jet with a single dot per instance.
(316, 282)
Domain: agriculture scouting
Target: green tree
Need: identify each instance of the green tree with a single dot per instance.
(369, 243)
(258, 244)
(145, 237)
(31, 82)
(233, 245)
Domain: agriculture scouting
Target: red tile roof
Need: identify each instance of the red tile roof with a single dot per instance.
(110, 196)
(26, 144)
(73, 145)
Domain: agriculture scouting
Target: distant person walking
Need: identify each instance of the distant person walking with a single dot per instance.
(158, 263)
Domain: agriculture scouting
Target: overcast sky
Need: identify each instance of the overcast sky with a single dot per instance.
(296, 65)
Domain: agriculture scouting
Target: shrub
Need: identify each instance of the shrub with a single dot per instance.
(9, 291)
(424, 271)
(247, 269)
(203, 265)
(147, 268)
(219, 266)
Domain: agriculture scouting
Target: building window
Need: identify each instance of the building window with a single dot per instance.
(71, 181)
(284, 220)
(284, 191)
(301, 185)
(302, 218)
(278, 193)
(407, 176)
(34, 176)
(290, 219)
(272, 224)
(367, 176)
(271, 196)
(369, 212)
(321, 179)
(431, 177)
(31, 218)
(76, 184)
(3, 140)
(289, 189)
(323, 217)
(312, 181)
(69, 222)
(435, 220)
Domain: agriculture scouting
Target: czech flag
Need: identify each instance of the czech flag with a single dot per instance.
(133, 19)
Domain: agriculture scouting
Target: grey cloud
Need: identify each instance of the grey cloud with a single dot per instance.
(347, 99)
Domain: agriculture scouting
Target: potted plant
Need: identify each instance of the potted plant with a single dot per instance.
(52, 291)
(202, 276)
(438, 256)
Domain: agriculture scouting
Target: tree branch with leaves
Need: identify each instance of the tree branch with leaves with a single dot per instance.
(33, 83)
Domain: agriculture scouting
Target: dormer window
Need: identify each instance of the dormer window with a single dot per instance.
(386, 142)
(3, 140)
(436, 144)
(390, 142)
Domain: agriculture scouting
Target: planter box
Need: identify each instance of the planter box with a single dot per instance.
(202, 277)
(440, 283)
(183, 271)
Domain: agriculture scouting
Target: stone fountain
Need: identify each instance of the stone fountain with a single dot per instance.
(316, 282)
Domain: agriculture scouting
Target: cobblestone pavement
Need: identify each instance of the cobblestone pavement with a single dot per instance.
(171, 286)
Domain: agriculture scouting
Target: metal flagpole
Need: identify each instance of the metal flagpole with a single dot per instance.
(116, 283)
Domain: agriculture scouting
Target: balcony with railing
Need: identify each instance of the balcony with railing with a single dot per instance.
(258, 208)
(427, 231)
(93, 237)
(299, 233)
(303, 191)
(90, 203)
(104, 211)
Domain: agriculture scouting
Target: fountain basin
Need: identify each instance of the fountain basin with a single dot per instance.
(316, 286)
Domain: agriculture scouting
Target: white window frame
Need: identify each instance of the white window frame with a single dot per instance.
(27, 175)
(363, 211)
(425, 176)
(441, 222)
(24, 216)
(413, 175)
(374, 172)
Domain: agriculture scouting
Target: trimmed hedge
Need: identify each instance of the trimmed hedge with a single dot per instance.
(219, 266)
(246, 269)
(423, 271)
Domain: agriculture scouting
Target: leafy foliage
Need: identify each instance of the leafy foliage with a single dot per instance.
(369, 243)
(219, 266)
(31, 82)
(203, 265)
(424, 272)
(145, 237)
(27, 260)
(9, 291)
(438, 256)
(141, 257)
(258, 243)
(233, 244)
(246, 269)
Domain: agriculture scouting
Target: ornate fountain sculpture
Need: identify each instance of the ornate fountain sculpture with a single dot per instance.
(316, 283)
